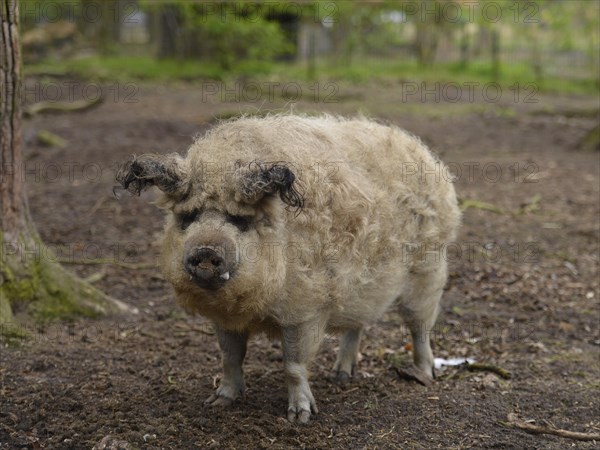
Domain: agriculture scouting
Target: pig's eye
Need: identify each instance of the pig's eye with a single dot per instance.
(186, 219)
(243, 223)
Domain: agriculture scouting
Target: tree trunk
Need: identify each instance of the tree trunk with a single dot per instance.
(30, 279)
(108, 33)
(311, 64)
(428, 30)
(495, 50)
(465, 46)
(536, 58)
(426, 43)
(168, 32)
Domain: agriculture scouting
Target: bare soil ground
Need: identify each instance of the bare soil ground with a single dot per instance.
(523, 295)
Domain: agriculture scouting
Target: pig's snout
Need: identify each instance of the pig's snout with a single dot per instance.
(206, 267)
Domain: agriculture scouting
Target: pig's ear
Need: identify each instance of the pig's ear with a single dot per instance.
(269, 178)
(163, 171)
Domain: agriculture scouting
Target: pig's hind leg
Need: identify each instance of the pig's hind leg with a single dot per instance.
(345, 364)
(419, 307)
(233, 349)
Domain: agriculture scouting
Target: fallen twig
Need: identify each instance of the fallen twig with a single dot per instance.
(474, 367)
(114, 262)
(95, 277)
(514, 421)
(50, 139)
(470, 203)
(78, 105)
(149, 334)
(98, 204)
(381, 436)
(531, 206)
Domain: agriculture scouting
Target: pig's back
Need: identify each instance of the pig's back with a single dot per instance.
(362, 181)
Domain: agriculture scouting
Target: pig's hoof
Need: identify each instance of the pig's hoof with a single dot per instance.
(427, 371)
(342, 377)
(218, 400)
(300, 410)
(298, 415)
(226, 393)
(224, 396)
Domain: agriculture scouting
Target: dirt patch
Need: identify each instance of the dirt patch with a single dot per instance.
(523, 295)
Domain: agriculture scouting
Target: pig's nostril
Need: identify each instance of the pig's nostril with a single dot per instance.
(204, 263)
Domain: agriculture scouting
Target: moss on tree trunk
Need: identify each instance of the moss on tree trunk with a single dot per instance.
(33, 284)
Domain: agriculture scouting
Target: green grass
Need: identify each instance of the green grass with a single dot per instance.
(374, 70)
(361, 71)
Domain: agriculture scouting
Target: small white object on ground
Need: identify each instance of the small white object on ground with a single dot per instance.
(440, 362)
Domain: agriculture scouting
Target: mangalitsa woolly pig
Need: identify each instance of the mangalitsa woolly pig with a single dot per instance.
(301, 226)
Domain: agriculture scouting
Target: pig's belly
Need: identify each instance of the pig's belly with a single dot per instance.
(365, 304)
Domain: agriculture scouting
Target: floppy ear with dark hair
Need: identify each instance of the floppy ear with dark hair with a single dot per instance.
(270, 178)
(144, 171)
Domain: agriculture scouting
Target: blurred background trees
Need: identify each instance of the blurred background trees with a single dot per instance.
(541, 39)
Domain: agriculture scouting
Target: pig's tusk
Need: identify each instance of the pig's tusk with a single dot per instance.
(225, 276)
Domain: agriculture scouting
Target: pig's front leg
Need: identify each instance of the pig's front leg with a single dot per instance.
(300, 342)
(233, 349)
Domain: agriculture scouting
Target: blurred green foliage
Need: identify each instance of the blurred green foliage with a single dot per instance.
(553, 43)
(220, 33)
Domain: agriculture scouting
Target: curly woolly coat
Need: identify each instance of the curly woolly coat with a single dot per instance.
(352, 214)
(302, 225)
